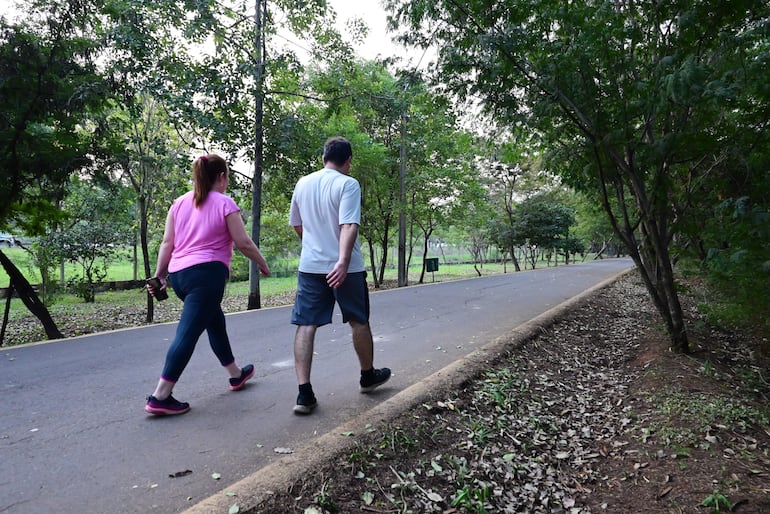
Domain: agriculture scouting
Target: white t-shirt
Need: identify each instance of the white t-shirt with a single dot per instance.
(322, 201)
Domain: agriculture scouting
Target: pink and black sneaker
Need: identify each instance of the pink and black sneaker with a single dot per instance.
(236, 384)
(168, 407)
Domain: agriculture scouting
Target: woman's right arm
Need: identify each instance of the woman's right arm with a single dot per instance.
(166, 248)
(244, 243)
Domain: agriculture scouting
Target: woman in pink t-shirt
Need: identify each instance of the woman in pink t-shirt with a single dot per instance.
(201, 228)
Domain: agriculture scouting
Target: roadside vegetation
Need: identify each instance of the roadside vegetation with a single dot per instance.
(594, 414)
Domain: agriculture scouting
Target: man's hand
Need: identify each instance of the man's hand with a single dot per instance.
(338, 275)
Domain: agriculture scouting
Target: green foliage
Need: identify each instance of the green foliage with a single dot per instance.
(99, 225)
(50, 90)
(539, 224)
(239, 267)
(472, 499)
(693, 417)
(717, 501)
(441, 185)
(278, 239)
(85, 286)
(44, 258)
(498, 388)
(324, 499)
(738, 263)
(88, 245)
(398, 440)
(592, 225)
(651, 107)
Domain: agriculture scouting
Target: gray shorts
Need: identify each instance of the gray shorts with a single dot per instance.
(314, 303)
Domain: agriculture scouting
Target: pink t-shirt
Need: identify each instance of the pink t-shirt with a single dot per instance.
(201, 234)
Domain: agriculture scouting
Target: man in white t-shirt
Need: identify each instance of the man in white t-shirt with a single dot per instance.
(326, 213)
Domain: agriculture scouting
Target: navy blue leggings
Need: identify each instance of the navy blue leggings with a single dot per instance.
(201, 288)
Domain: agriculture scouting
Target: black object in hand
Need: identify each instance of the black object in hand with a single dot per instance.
(159, 294)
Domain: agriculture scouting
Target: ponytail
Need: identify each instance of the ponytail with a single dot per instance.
(206, 169)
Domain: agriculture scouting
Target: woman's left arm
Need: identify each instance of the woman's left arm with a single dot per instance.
(244, 243)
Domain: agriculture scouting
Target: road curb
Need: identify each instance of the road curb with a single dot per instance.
(278, 476)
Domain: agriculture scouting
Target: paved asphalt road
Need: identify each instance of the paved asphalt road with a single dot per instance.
(74, 437)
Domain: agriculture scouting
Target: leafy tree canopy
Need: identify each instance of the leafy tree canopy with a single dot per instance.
(651, 104)
(50, 89)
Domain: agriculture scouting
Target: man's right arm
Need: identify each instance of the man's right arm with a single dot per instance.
(348, 235)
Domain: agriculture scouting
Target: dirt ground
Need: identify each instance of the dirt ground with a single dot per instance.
(595, 414)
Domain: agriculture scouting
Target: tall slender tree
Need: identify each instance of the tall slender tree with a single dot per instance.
(227, 89)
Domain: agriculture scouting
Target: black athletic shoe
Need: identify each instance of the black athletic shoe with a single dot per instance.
(374, 379)
(168, 407)
(305, 404)
(236, 384)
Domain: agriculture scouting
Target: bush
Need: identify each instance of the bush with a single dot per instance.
(739, 267)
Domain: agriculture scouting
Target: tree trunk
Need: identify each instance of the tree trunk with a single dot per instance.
(600, 252)
(29, 297)
(146, 255)
(424, 256)
(255, 300)
(374, 267)
(650, 253)
(666, 301)
(384, 259)
(515, 261)
(655, 241)
(6, 312)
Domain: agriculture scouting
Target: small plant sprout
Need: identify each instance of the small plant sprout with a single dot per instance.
(717, 502)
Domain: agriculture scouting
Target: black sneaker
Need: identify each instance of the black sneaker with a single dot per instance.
(371, 381)
(167, 407)
(305, 404)
(236, 384)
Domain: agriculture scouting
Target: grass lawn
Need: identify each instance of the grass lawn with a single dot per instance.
(124, 270)
(268, 287)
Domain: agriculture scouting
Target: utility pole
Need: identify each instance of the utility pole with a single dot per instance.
(254, 301)
(403, 276)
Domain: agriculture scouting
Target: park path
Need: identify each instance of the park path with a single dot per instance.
(74, 437)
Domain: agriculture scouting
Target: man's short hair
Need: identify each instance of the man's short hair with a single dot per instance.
(337, 150)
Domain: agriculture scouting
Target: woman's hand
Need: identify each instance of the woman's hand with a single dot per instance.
(156, 286)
